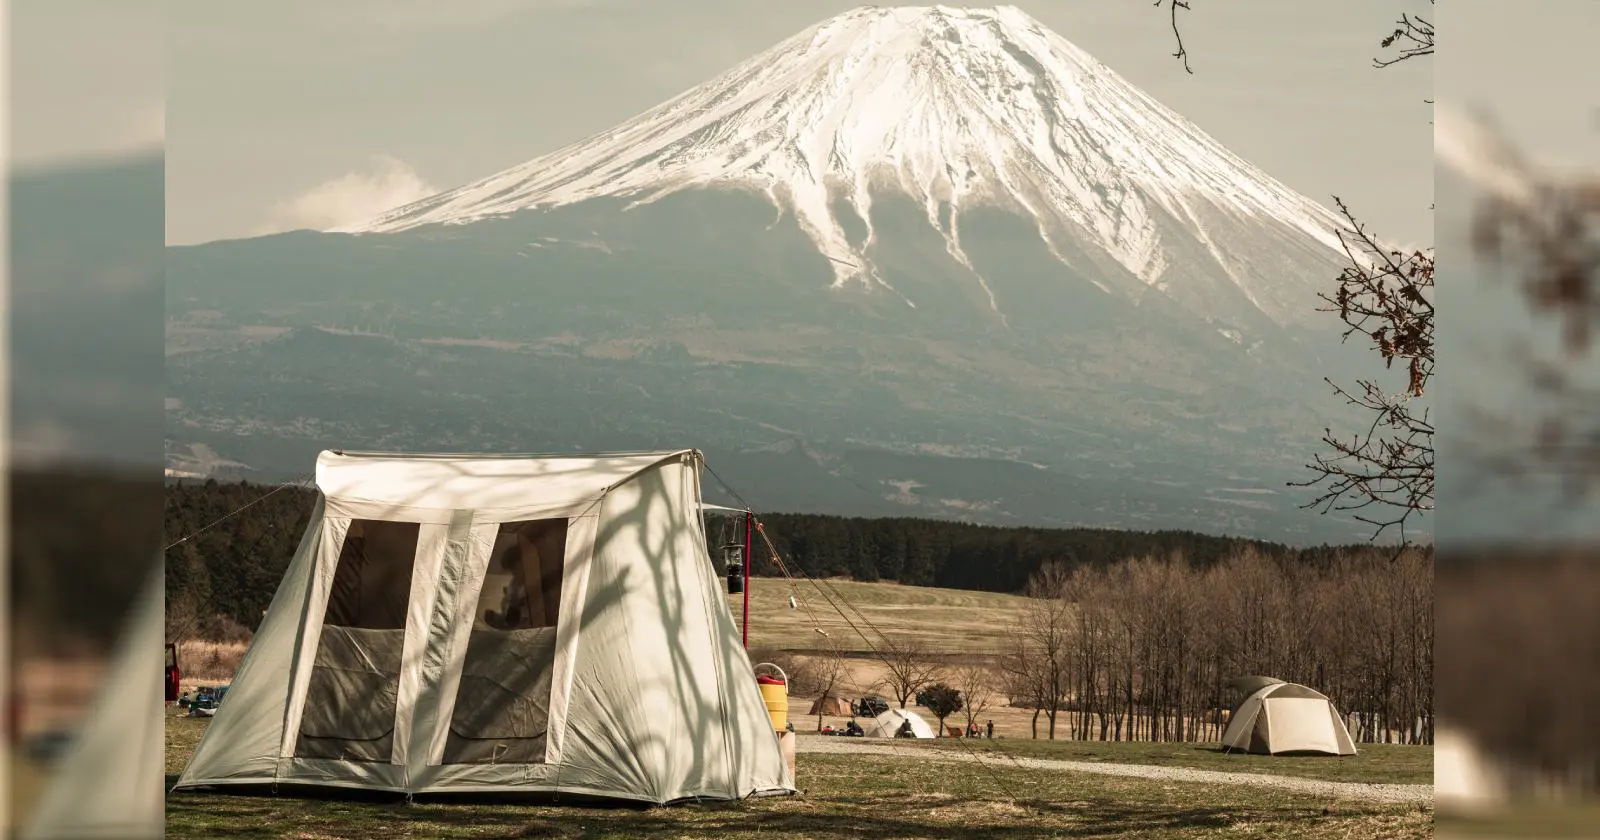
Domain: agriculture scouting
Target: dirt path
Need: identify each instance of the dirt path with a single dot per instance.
(1295, 784)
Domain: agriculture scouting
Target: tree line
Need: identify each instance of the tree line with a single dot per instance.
(1144, 649)
(958, 555)
(241, 536)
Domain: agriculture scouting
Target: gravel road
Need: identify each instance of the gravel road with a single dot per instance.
(1296, 784)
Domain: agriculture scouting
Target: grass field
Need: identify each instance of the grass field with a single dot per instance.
(948, 621)
(844, 796)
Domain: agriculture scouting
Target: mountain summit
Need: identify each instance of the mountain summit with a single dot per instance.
(952, 108)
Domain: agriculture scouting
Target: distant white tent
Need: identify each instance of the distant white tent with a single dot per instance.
(500, 624)
(1463, 781)
(887, 725)
(1284, 718)
(109, 785)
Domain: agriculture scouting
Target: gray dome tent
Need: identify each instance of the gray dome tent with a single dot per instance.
(1281, 717)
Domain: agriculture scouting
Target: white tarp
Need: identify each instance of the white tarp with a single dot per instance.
(542, 624)
(888, 724)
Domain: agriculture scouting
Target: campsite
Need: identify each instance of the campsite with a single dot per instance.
(418, 673)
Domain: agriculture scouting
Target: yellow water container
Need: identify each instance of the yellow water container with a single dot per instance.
(775, 692)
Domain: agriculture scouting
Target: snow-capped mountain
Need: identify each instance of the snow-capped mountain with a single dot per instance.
(924, 261)
(953, 108)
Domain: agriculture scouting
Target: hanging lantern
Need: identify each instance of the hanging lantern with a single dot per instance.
(733, 561)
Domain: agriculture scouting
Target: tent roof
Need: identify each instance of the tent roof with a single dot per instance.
(1249, 685)
(1293, 690)
(478, 481)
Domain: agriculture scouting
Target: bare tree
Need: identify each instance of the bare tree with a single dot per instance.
(827, 671)
(1039, 659)
(1024, 679)
(976, 681)
(907, 668)
(184, 615)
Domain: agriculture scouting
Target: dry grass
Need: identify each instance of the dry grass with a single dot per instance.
(210, 662)
(860, 797)
(1533, 821)
(948, 621)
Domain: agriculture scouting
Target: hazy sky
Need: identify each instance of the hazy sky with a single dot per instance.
(304, 113)
(1529, 67)
(85, 80)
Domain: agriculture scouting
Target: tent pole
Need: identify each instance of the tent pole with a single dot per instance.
(748, 515)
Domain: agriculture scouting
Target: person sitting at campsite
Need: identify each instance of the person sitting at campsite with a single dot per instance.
(854, 729)
(905, 730)
(972, 730)
(513, 610)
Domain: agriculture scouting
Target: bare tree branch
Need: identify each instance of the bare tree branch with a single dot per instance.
(1386, 296)
(907, 668)
(1182, 54)
(1413, 36)
(977, 682)
(828, 670)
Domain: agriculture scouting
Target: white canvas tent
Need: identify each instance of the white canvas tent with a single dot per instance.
(887, 725)
(533, 624)
(1286, 718)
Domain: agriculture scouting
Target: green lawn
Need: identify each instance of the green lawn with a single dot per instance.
(1374, 763)
(858, 797)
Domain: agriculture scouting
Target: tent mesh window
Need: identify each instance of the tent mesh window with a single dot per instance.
(502, 707)
(350, 702)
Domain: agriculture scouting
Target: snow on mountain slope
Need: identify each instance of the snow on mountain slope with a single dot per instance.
(955, 108)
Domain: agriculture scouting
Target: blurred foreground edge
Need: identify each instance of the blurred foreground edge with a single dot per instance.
(111, 781)
(1518, 682)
